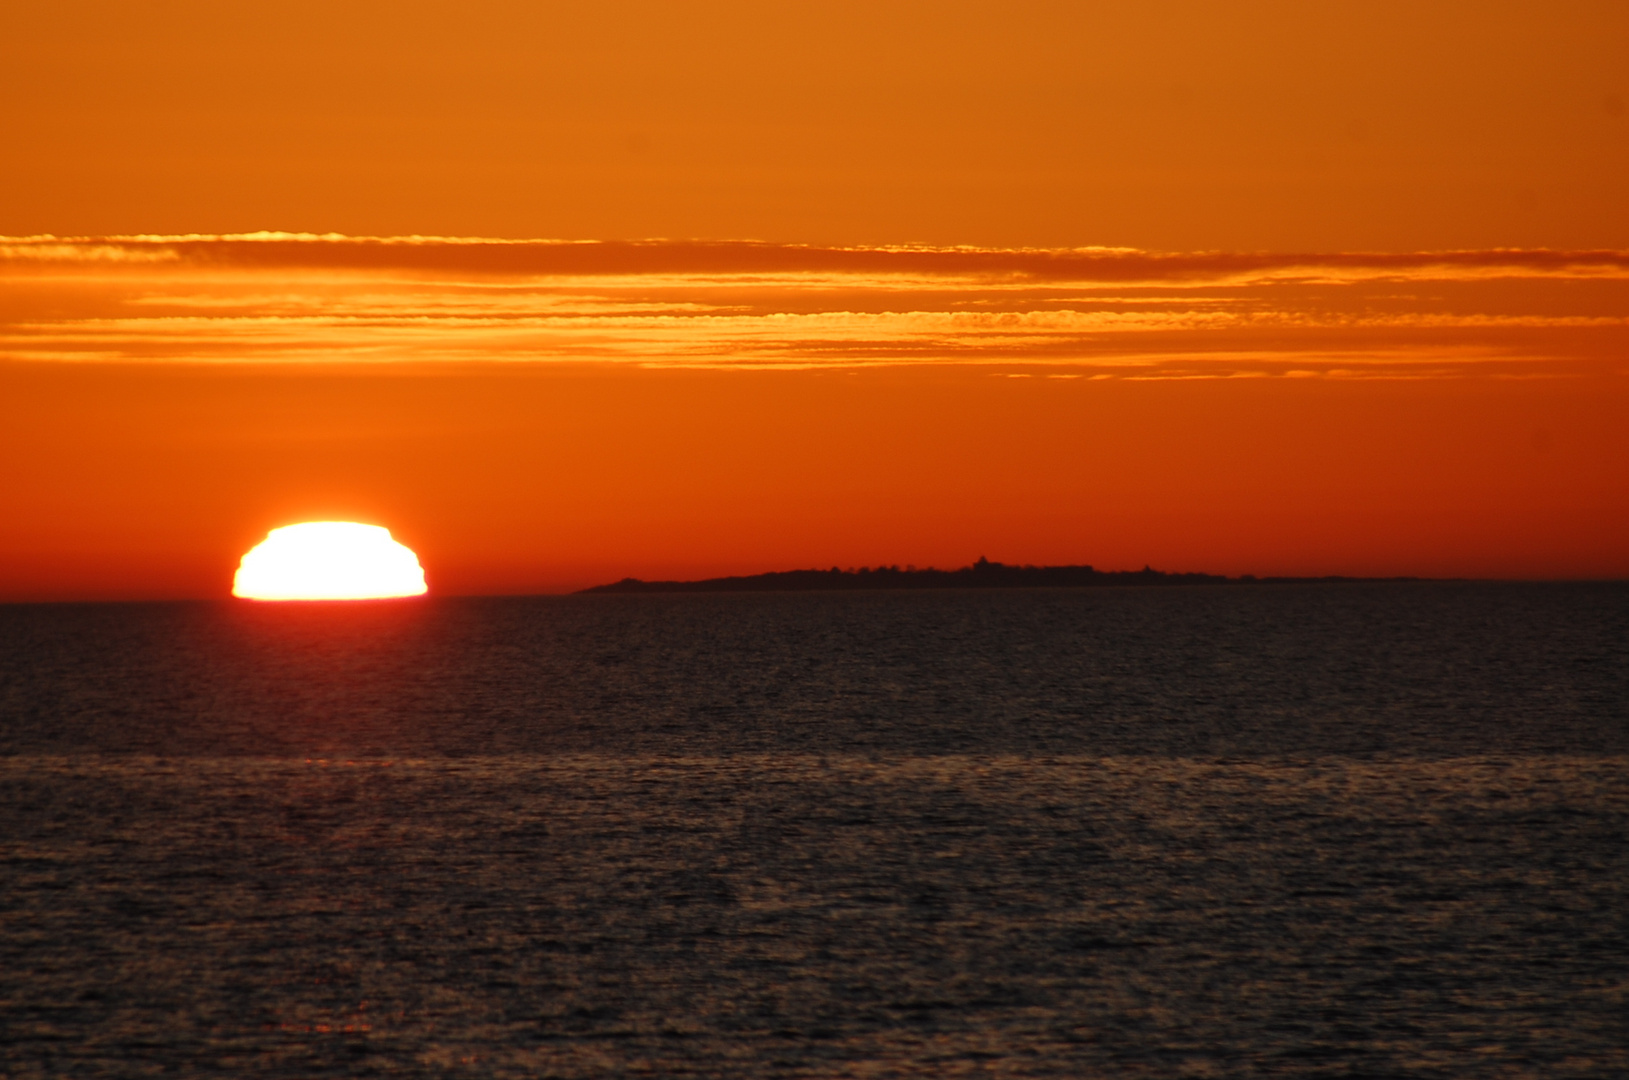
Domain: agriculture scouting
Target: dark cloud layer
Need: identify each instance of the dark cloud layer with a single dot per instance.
(547, 257)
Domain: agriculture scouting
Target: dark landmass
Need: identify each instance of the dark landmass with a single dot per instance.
(981, 575)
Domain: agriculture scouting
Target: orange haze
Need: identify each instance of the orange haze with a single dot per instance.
(543, 417)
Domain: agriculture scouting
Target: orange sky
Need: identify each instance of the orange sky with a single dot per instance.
(916, 361)
(1388, 124)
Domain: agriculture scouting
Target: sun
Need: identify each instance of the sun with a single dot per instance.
(328, 560)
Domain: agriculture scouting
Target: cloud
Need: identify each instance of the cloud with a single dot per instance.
(297, 298)
(269, 250)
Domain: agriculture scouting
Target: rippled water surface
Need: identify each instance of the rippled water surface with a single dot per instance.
(1311, 830)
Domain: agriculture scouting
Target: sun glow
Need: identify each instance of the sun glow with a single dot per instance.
(328, 560)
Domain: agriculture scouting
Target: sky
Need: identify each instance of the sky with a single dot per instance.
(567, 293)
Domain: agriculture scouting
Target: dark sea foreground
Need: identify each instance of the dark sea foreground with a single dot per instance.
(1347, 830)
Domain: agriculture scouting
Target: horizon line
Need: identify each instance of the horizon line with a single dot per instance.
(607, 589)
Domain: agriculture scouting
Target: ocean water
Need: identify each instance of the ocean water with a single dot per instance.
(1331, 830)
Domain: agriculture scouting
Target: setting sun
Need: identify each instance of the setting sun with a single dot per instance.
(329, 560)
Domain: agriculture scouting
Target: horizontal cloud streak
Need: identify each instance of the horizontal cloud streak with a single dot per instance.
(555, 257)
(280, 298)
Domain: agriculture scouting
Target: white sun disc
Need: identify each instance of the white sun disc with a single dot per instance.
(328, 560)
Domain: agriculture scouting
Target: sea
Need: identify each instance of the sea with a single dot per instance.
(1355, 829)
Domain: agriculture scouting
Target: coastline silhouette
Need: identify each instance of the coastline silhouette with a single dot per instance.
(982, 574)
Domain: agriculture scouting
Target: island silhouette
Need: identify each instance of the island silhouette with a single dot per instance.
(982, 574)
